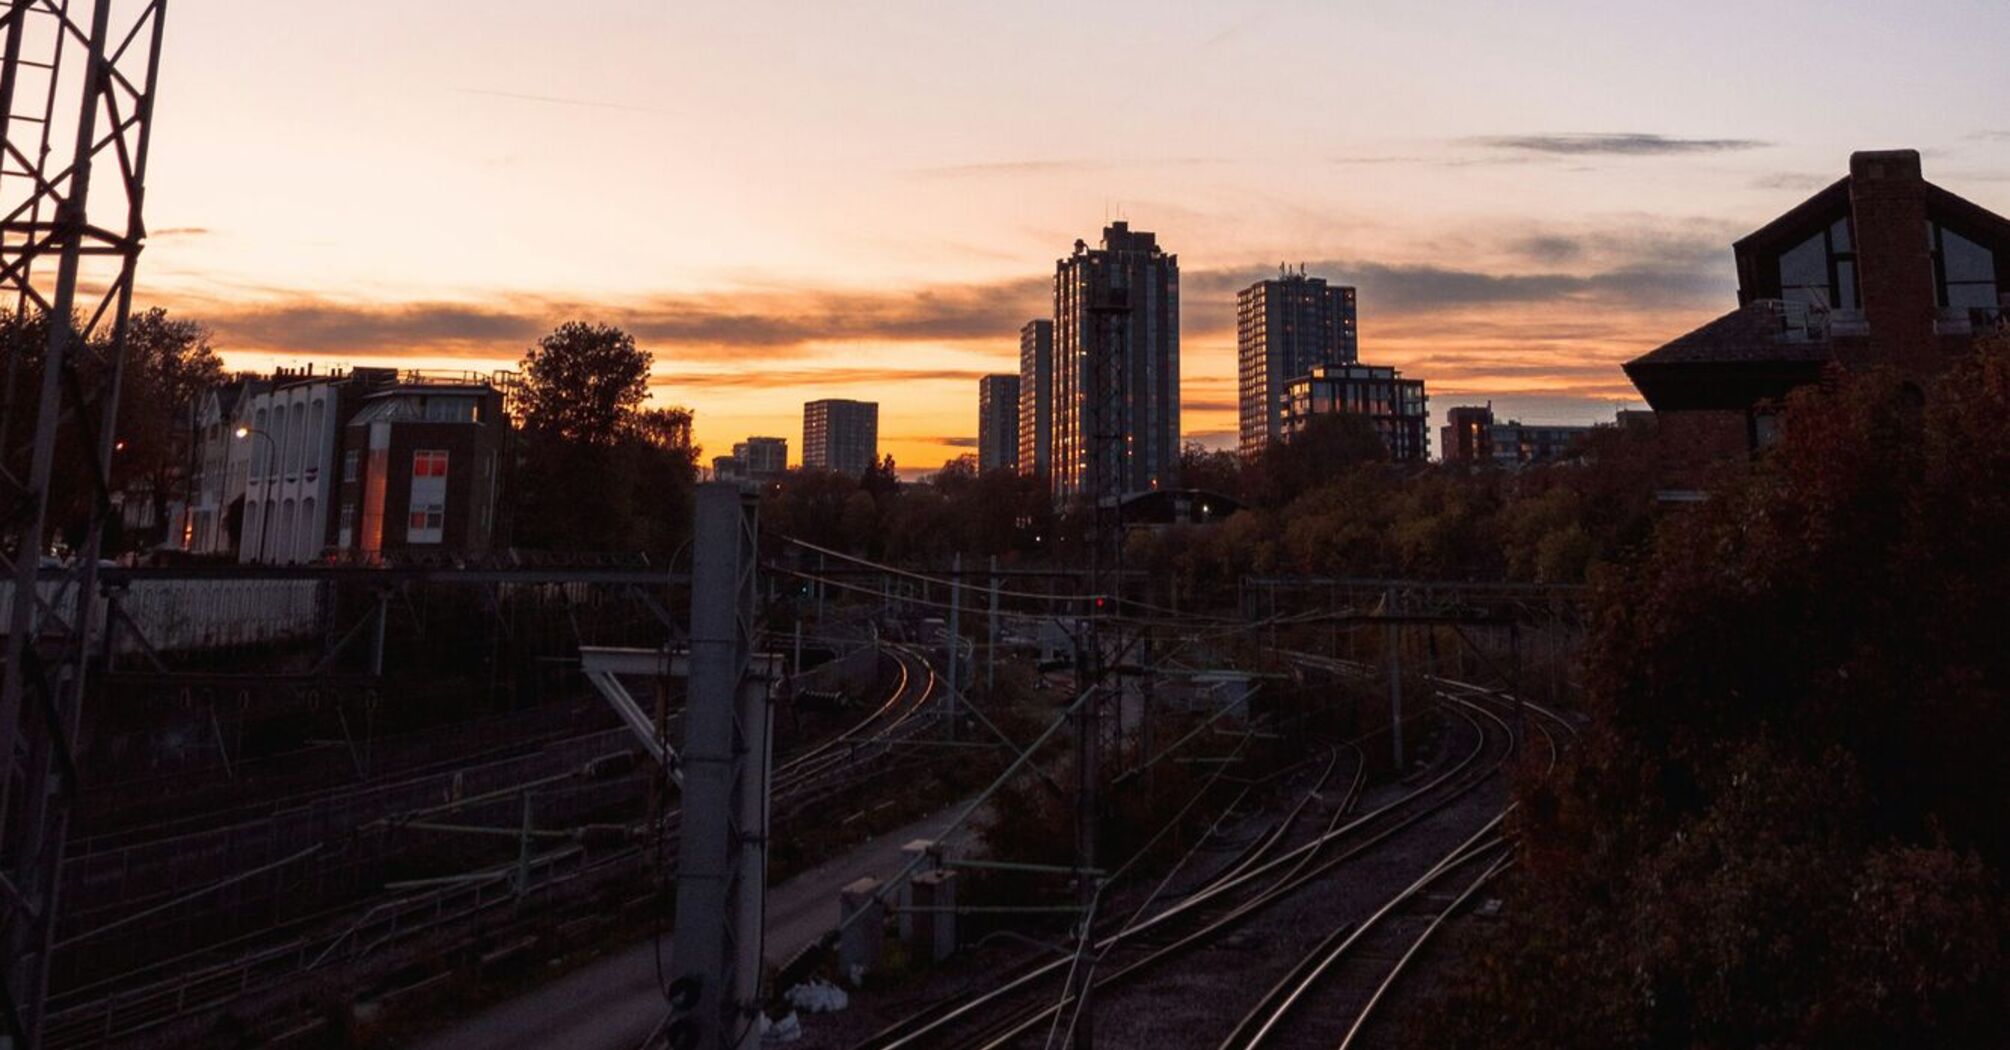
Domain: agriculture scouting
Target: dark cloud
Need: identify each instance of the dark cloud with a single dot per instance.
(1632, 264)
(1625, 144)
(766, 377)
(1410, 289)
(1551, 248)
(1445, 366)
(954, 442)
(1209, 405)
(720, 326)
(369, 330)
(180, 231)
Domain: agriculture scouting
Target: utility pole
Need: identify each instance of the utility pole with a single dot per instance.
(955, 623)
(1392, 652)
(991, 648)
(377, 641)
(1088, 773)
(1103, 418)
(722, 857)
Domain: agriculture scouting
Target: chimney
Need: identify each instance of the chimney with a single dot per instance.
(1894, 264)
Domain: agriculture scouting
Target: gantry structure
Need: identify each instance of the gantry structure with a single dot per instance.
(77, 89)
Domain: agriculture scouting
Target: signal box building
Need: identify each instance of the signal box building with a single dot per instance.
(421, 471)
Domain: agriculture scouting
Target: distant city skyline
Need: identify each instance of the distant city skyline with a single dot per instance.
(1524, 196)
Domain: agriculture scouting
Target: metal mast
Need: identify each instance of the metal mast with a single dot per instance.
(722, 859)
(1099, 646)
(76, 88)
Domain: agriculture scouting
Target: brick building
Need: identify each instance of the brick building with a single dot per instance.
(421, 470)
(1880, 268)
(1472, 435)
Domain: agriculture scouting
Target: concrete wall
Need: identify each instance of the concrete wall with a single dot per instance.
(184, 615)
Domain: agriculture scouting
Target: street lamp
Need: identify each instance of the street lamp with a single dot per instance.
(245, 433)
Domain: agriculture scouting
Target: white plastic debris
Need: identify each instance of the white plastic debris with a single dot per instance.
(818, 997)
(787, 1030)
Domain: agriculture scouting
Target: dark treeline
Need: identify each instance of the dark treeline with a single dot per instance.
(956, 509)
(169, 363)
(1329, 502)
(1785, 826)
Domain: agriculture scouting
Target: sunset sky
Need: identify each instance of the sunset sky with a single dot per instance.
(788, 201)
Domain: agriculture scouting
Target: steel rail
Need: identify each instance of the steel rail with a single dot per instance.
(1296, 877)
(916, 1030)
(1267, 1017)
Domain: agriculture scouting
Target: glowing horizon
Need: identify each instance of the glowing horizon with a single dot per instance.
(868, 202)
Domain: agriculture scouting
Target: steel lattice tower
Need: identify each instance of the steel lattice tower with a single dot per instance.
(77, 84)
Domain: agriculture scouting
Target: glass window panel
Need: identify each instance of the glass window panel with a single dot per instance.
(1839, 236)
(1965, 259)
(1846, 292)
(1805, 265)
(1975, 295)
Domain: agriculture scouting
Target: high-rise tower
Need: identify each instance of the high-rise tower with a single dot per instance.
(1283, 329)
(1116, 367)
(998, 422)
(840, 436)
(1036, 397)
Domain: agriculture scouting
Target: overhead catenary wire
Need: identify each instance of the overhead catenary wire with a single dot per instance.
(940, 581)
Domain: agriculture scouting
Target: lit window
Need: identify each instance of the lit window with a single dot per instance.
(429, 464)
(426, 523)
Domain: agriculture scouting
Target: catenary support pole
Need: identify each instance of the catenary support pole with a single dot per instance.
(1391, 643)
(951, 638)
(991, 649)
(723, 837)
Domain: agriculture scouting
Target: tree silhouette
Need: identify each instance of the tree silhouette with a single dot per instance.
(581, 382)
(1784, 825)
(597, 471)
(169, 365)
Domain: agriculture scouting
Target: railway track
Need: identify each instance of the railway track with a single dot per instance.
(1299, 1011)
(175, 989)
(1329, 997)
(1033, 1002)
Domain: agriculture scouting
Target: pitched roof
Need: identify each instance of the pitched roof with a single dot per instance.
(1746, 356)
(1757, 332)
